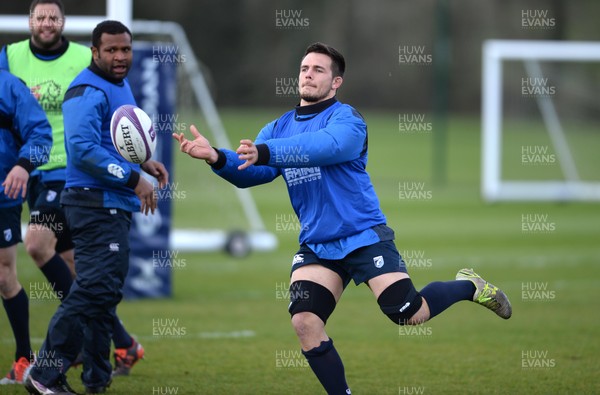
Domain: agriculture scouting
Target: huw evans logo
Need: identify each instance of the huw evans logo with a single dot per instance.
(537, 223)
(287, 87)
(537, 87)
(44, 154)
(537, 292)
(168, 327)
(286, 292)
(416, 259)
(288, 223)
(168, 259)
(290, 359)
(43, 291)
(168, 123)
(165, 390)
(536, 359)
(290, 155)
(413, 124)
(410, 190)
(415, 55)
(406, 390)
(291, 19)
(537, 155)
(537, 19)
(167, 54)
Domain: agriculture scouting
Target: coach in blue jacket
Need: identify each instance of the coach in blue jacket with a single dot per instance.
(102, 191)
(25, 143)
(320, 150)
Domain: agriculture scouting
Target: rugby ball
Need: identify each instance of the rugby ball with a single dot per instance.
(132, 134)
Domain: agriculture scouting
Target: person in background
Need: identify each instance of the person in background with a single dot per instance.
(48, 62)
(25, 140)
(102, 190)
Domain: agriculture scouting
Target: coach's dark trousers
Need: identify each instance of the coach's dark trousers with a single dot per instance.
(85, 317)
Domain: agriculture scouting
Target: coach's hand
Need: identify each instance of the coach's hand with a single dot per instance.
(158, 171)
(247, 151)
(16, 182)
(198, 148)
(145, 191)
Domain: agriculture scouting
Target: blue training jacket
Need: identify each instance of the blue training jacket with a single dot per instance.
(97, 176)
(25, 134)
(321, 152)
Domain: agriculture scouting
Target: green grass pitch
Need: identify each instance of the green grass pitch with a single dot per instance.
(229, 326)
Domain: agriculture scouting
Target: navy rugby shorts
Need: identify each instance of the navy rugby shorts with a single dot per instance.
(10, 223)
(360, 265)
(46, 210)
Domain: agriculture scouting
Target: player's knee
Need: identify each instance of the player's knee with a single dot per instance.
(309, 297)
(7, 264)
(31, 245)
(39, 244)
(6, 287)
(400, 301)
(306, 323)
(35, 251)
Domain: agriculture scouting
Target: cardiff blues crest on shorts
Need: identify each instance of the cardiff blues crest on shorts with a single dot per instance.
(51, 195)
(378, 261)
(7, 234)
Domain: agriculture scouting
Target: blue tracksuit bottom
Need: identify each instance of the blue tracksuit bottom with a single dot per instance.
(85, 318)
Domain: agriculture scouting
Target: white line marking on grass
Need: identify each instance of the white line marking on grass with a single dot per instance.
(203, 335)
(200, 335)
(228, 335)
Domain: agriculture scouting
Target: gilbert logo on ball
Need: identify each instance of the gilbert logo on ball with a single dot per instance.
(132, 133)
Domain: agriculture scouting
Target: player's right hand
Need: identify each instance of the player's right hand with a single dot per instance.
(16, 182)
(145, 191)
(198, 148)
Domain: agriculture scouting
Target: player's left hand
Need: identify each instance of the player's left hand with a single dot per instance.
(16, 182)
(158, 171)
(247, 151)
(147, 195)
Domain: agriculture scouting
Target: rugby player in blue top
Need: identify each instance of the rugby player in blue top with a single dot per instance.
(102, 191)
(344, 234)
(25, 140)
(48, 62)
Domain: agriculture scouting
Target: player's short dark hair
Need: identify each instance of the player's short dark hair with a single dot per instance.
(108, 27)
(338, 64)
(58, 3)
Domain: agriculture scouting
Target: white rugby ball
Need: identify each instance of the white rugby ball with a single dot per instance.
(132, 133)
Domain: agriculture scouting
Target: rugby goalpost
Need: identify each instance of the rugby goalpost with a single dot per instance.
(236, 243)
(493, 186)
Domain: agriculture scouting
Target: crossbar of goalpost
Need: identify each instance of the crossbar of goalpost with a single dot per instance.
(120, 10)
(494, 53)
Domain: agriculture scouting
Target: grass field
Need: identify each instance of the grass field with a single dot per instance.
(229, 316)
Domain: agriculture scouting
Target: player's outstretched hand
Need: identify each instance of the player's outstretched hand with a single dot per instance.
(16, 182)
(158, 171)
(247, 151)
(198, 148)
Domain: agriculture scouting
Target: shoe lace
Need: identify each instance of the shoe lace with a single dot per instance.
(488, 297)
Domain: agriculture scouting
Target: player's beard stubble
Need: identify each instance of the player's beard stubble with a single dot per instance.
(314, 97)
(46, 39)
